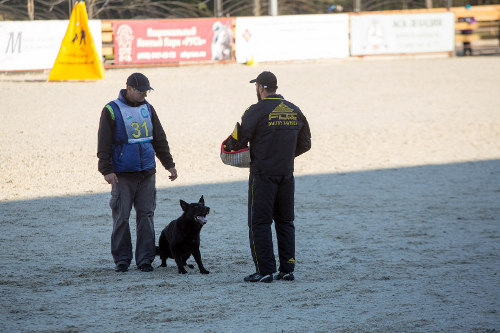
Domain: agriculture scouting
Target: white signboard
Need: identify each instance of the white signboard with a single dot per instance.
(34, 45)
(295, 37)
(402, 33)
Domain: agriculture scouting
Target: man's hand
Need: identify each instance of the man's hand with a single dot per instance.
(173, 174)
(111, 178)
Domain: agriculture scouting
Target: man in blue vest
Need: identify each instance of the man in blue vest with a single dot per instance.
(130, 135)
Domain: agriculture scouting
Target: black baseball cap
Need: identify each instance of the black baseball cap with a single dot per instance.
(267, 79)
(139, 81)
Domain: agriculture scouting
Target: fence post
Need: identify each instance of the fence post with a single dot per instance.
(357, 6)
(273, 7)
(218, 11)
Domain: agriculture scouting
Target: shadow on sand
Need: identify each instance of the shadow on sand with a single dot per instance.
(404, 249)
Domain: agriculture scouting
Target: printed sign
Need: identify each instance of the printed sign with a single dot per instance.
(294, 37)
(163, 41)
(402, 33)
(34, 45)
(77, 58)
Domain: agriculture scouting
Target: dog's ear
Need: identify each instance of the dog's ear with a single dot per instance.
(184, 205)
(202, 201)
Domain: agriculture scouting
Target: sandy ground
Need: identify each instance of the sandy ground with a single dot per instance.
(397, 204)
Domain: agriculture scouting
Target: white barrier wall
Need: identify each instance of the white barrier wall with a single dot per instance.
(34, 45)
(294, 37)
(402, 33)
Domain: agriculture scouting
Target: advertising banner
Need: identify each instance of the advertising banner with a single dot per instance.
(34, 45)
(164, 41)
(294, 37)
(402, 33)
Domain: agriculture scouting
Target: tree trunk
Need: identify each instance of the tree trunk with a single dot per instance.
(31, 9)
(256, 7)
(90, 8)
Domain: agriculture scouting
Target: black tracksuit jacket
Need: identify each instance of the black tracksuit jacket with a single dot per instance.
(278, 132)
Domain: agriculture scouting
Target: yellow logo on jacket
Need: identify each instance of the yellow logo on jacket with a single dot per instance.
(282, 115)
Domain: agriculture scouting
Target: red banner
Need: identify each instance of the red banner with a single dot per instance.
(165, 41)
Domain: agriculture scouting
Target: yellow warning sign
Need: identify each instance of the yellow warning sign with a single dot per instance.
(78, 58)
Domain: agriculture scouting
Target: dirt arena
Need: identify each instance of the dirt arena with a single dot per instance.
(397, 203)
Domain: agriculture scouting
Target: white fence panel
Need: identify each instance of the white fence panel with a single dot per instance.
(373, 34)
(294, 37)
(34, 45)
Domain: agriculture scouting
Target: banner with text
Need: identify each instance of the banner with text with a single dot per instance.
(402, 33)
(164, 41)
(294, 37)
(34, 45)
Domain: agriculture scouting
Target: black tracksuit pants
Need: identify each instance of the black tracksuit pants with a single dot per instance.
(271, 198)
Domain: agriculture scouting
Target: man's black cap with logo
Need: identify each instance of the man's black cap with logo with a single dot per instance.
(267, 79)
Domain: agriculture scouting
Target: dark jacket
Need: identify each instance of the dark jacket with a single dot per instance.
(106, 138)
(278, 132)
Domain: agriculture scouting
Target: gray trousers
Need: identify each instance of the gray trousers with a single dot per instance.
(141, 193)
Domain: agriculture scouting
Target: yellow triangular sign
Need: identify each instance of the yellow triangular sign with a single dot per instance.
(78, 58)
(252, 62)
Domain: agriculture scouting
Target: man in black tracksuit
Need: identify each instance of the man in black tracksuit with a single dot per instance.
(277, 132)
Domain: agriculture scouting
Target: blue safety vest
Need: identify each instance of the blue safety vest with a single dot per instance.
(132, 148)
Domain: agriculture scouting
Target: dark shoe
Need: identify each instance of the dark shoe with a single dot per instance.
(256, 277)
(146, 268)
(121, 268)
(285, 276)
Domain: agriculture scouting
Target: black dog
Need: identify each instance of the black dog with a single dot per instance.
(181, 238)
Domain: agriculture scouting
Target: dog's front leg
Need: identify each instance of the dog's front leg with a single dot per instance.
(197, 258)
(180, 264)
